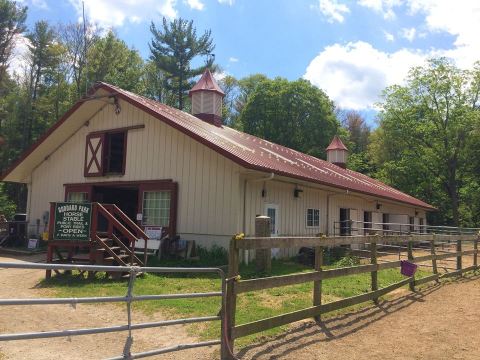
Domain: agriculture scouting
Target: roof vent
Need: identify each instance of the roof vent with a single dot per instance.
(337, 152)
(207, 99)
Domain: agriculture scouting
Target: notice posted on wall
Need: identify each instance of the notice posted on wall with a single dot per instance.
(72, 221)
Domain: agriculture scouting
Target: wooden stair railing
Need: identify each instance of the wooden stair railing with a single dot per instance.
(122, 246)
(114, 255)
(116, 211)
(115, 224)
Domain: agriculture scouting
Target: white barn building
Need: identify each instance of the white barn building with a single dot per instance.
(196, 177)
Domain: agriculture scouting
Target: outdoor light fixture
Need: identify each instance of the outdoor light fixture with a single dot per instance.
(117, 105)
(264, 192)
(296, 192)
(416, 213)
(379, 206)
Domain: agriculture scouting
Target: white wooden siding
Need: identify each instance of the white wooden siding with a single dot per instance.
(207, 182)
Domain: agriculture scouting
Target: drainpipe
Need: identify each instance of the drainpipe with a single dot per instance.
(244, 220)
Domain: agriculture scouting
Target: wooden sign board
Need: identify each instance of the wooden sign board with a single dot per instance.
(72, 221)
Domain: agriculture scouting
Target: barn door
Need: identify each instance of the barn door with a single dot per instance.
(94, 155)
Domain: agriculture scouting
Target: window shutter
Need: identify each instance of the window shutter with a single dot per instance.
(94, 155)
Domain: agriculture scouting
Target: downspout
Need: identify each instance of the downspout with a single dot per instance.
(244, 220)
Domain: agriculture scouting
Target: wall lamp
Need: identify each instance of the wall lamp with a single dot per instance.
(297, 192)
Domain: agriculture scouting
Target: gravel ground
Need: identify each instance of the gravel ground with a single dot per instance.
(17, 283)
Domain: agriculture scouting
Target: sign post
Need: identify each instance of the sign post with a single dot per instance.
(72, 221)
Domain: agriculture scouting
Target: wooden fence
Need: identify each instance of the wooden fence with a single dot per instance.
(235, 286)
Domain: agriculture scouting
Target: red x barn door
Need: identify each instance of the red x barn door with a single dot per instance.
(94, 155)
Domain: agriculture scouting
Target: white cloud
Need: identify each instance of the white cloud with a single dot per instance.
(220, 75)
(389, 36)
(384, 7)
(409, 34)
(459, 19)
(19, 60)
(354, 75)
(196, 4)
(232, 59)
(227, 2)
(110, 13)
(41, 4)
(332, 10)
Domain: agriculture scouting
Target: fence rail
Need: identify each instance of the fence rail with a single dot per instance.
(410, 243)
(129, 298)
(355, 227)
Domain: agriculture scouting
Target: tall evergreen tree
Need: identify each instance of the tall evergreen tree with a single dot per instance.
(12, 24)
(173, 48)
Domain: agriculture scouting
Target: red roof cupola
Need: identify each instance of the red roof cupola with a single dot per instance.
(207, 99)
(337, 152)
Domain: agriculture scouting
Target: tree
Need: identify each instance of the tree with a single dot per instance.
(173, 48)
(77, 46)
(112, 61)
(229, 85)
(12, 24)
(425, 130)
(357, 140)
(295, 114)
(44, 59)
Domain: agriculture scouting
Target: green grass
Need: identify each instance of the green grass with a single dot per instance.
(250, 306)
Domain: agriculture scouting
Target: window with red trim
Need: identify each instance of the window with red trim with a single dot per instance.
(105, 153)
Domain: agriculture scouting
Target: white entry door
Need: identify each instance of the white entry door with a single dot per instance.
(271, 210)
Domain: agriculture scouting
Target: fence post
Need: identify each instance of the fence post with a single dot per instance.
(410, 258)
(231, 302)
(434, 257)
(317, 285)
(374, 273)
(51, 220)
(475, 255)
(263, 257)
(459, 257)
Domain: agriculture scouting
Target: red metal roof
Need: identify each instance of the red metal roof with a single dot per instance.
(336, 144)
(255, 153)
(208, 83)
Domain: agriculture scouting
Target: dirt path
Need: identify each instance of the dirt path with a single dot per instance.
(23, 284)
(439, 322)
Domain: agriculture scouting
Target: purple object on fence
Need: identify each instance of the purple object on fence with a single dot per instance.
(407, 268)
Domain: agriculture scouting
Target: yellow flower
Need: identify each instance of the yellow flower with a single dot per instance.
(239, 236)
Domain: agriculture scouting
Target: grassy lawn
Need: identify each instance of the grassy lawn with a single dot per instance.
(250, 306)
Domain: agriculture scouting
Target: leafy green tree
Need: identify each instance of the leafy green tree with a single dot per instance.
(112, 61)
(291, 113)
(12, 24)
(357, 140)
(173, 48)
(423, 145)
(155, 84)
(7, 206)
(44, 57)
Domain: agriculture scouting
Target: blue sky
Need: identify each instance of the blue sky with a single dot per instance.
(350, 49)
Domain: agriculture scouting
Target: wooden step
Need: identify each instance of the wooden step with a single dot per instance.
(114, 248)
(121, 256)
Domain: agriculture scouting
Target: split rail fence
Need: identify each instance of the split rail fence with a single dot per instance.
(434, 244)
